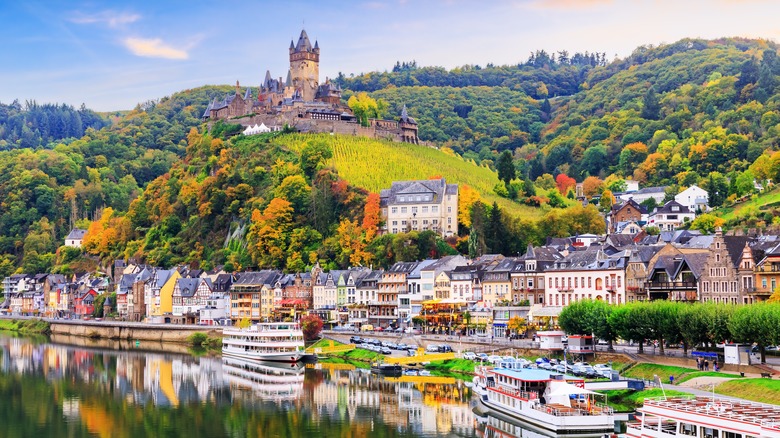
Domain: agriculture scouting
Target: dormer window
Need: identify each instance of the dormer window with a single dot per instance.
(675, 208)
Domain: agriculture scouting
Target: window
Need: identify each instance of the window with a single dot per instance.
(395, 222)
(425, 221)
(414, 210)
(435, 221)
(425, 209)
(417, 198)
(449, 220)
(403, 209)
(401, 199)
(434, 209)
(449, 209)
(403, 222)
(394, 210)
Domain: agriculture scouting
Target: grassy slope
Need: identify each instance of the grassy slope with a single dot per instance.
(649, 370)
(770, 197)
(760, 390)
(627, 400)
(375, 164)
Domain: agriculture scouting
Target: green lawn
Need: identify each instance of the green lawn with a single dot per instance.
(628, 400)
(462, 366)
(357, 354)
(649, 370)
(760, 390)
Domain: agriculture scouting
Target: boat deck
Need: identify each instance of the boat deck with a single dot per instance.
(766, 415)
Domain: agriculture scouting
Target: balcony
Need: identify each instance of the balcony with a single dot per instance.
(669, 285)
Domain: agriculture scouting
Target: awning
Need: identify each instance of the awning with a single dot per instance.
(569, 389)
(553, 311)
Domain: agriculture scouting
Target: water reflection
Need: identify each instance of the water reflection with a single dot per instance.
(50, 389)
(62, 390)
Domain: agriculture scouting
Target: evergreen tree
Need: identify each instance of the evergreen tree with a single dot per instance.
(505, 167)
(495, 231)
(651, 108)
(477, 245)
(748, 75)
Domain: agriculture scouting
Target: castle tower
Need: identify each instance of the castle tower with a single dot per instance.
(305, 67)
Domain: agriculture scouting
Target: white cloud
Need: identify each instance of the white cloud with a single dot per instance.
(110, 18)
(154, 48)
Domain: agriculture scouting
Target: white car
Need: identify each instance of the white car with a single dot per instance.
(432, 348)
(603, 369)
(469, 355)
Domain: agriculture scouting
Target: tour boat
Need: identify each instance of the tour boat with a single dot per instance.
(274, 342)
(704, 417)
(492, 424)
(545, 399)
(272, 380)
(387, 369)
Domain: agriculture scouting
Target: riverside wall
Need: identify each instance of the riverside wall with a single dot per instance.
(128, 331)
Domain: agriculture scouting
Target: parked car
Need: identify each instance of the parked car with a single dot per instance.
(603, 370)
(432, 348)
(411, 352)
(355, 340)
(385, 350)
(469, 355)
(482, 357)
(544, 365)
(444, 348)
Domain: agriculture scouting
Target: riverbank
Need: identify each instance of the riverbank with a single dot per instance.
(26, 326)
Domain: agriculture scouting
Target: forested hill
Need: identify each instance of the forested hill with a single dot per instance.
(34, 125)
(687, 109)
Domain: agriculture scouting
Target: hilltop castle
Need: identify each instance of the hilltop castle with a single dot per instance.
(300, 101)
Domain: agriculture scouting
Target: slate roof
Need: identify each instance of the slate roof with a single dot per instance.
(667, 208)
(405, 117)
(437, 187)
(734, 246)
(76, 234)
(403, 267)
(304, 45)
(222, 282)
(188, 286)
(620, 240)
(258, 278)
(639, 207)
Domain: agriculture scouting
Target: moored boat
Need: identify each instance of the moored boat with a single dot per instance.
(547, 400)
(274, 380)
(705, 417)
(273, 342)
(387, 369)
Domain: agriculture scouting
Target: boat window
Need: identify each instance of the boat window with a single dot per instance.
(708, 432)
(731, 435)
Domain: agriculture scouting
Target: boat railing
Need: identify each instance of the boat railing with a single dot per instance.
(567, 411)
(526, 395)
(713, 407)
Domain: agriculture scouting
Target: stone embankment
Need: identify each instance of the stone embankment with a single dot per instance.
(131, 331)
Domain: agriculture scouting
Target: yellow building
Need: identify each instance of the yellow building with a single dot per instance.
(166, 295)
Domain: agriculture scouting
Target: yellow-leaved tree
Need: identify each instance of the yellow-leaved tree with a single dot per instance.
(466, 198)
(371, 216)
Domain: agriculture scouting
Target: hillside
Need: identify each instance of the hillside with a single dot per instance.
(355, 159)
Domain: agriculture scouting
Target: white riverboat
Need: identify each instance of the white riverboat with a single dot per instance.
(545, 399)
(271, 380)
(704, 417)
(274, 342)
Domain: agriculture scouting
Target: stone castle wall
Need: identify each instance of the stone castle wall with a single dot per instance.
(380, 130)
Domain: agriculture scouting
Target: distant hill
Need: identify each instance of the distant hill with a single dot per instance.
(33, 125)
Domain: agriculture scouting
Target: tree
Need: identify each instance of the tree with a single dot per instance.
(505, 167)
(707, 223)
(545, 182)
(651, 109)
(574, 318)
(371, 216)
(632, 156)
(717, 188)
(466, 198)
(314, 155)
(295, 190)
(495, 232)
(517, 325)
(594, 159)
(365, 107)
(311, 325)
(565, 183)
(606, 201)
(477, 240)
(592, 186)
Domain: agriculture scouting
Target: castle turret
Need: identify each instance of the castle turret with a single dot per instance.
(305, 67)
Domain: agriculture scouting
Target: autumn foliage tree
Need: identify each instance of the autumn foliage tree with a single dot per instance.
(311, 325)
(592, 186)
(269, 231)
(466, 198)
(371, 216)
(564, 183)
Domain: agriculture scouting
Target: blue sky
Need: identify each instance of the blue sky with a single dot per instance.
(112, 55)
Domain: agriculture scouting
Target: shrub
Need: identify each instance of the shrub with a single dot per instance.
(197, 339)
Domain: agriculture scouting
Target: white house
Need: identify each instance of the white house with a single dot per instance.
(671, 216)
(695, 198)
(75, 238)
(642, 195)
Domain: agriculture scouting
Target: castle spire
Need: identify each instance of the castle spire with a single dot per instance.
(304, 45)
(237, 88)
(289, 81)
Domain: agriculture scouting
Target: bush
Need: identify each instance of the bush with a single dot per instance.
(197, 339)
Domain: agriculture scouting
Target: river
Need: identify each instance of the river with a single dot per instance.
(50, 389)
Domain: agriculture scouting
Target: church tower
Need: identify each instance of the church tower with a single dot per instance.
(305, 67)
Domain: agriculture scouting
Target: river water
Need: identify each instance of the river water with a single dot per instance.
(50, 389)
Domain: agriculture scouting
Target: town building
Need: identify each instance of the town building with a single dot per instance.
(420, 205)
(625, 213)
(670, 216)
(75, 238)
(528, 274)
(695, 198)
(675, 277)
(642, 195)
(586, 274)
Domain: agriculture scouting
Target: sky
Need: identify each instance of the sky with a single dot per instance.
(112, 55)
